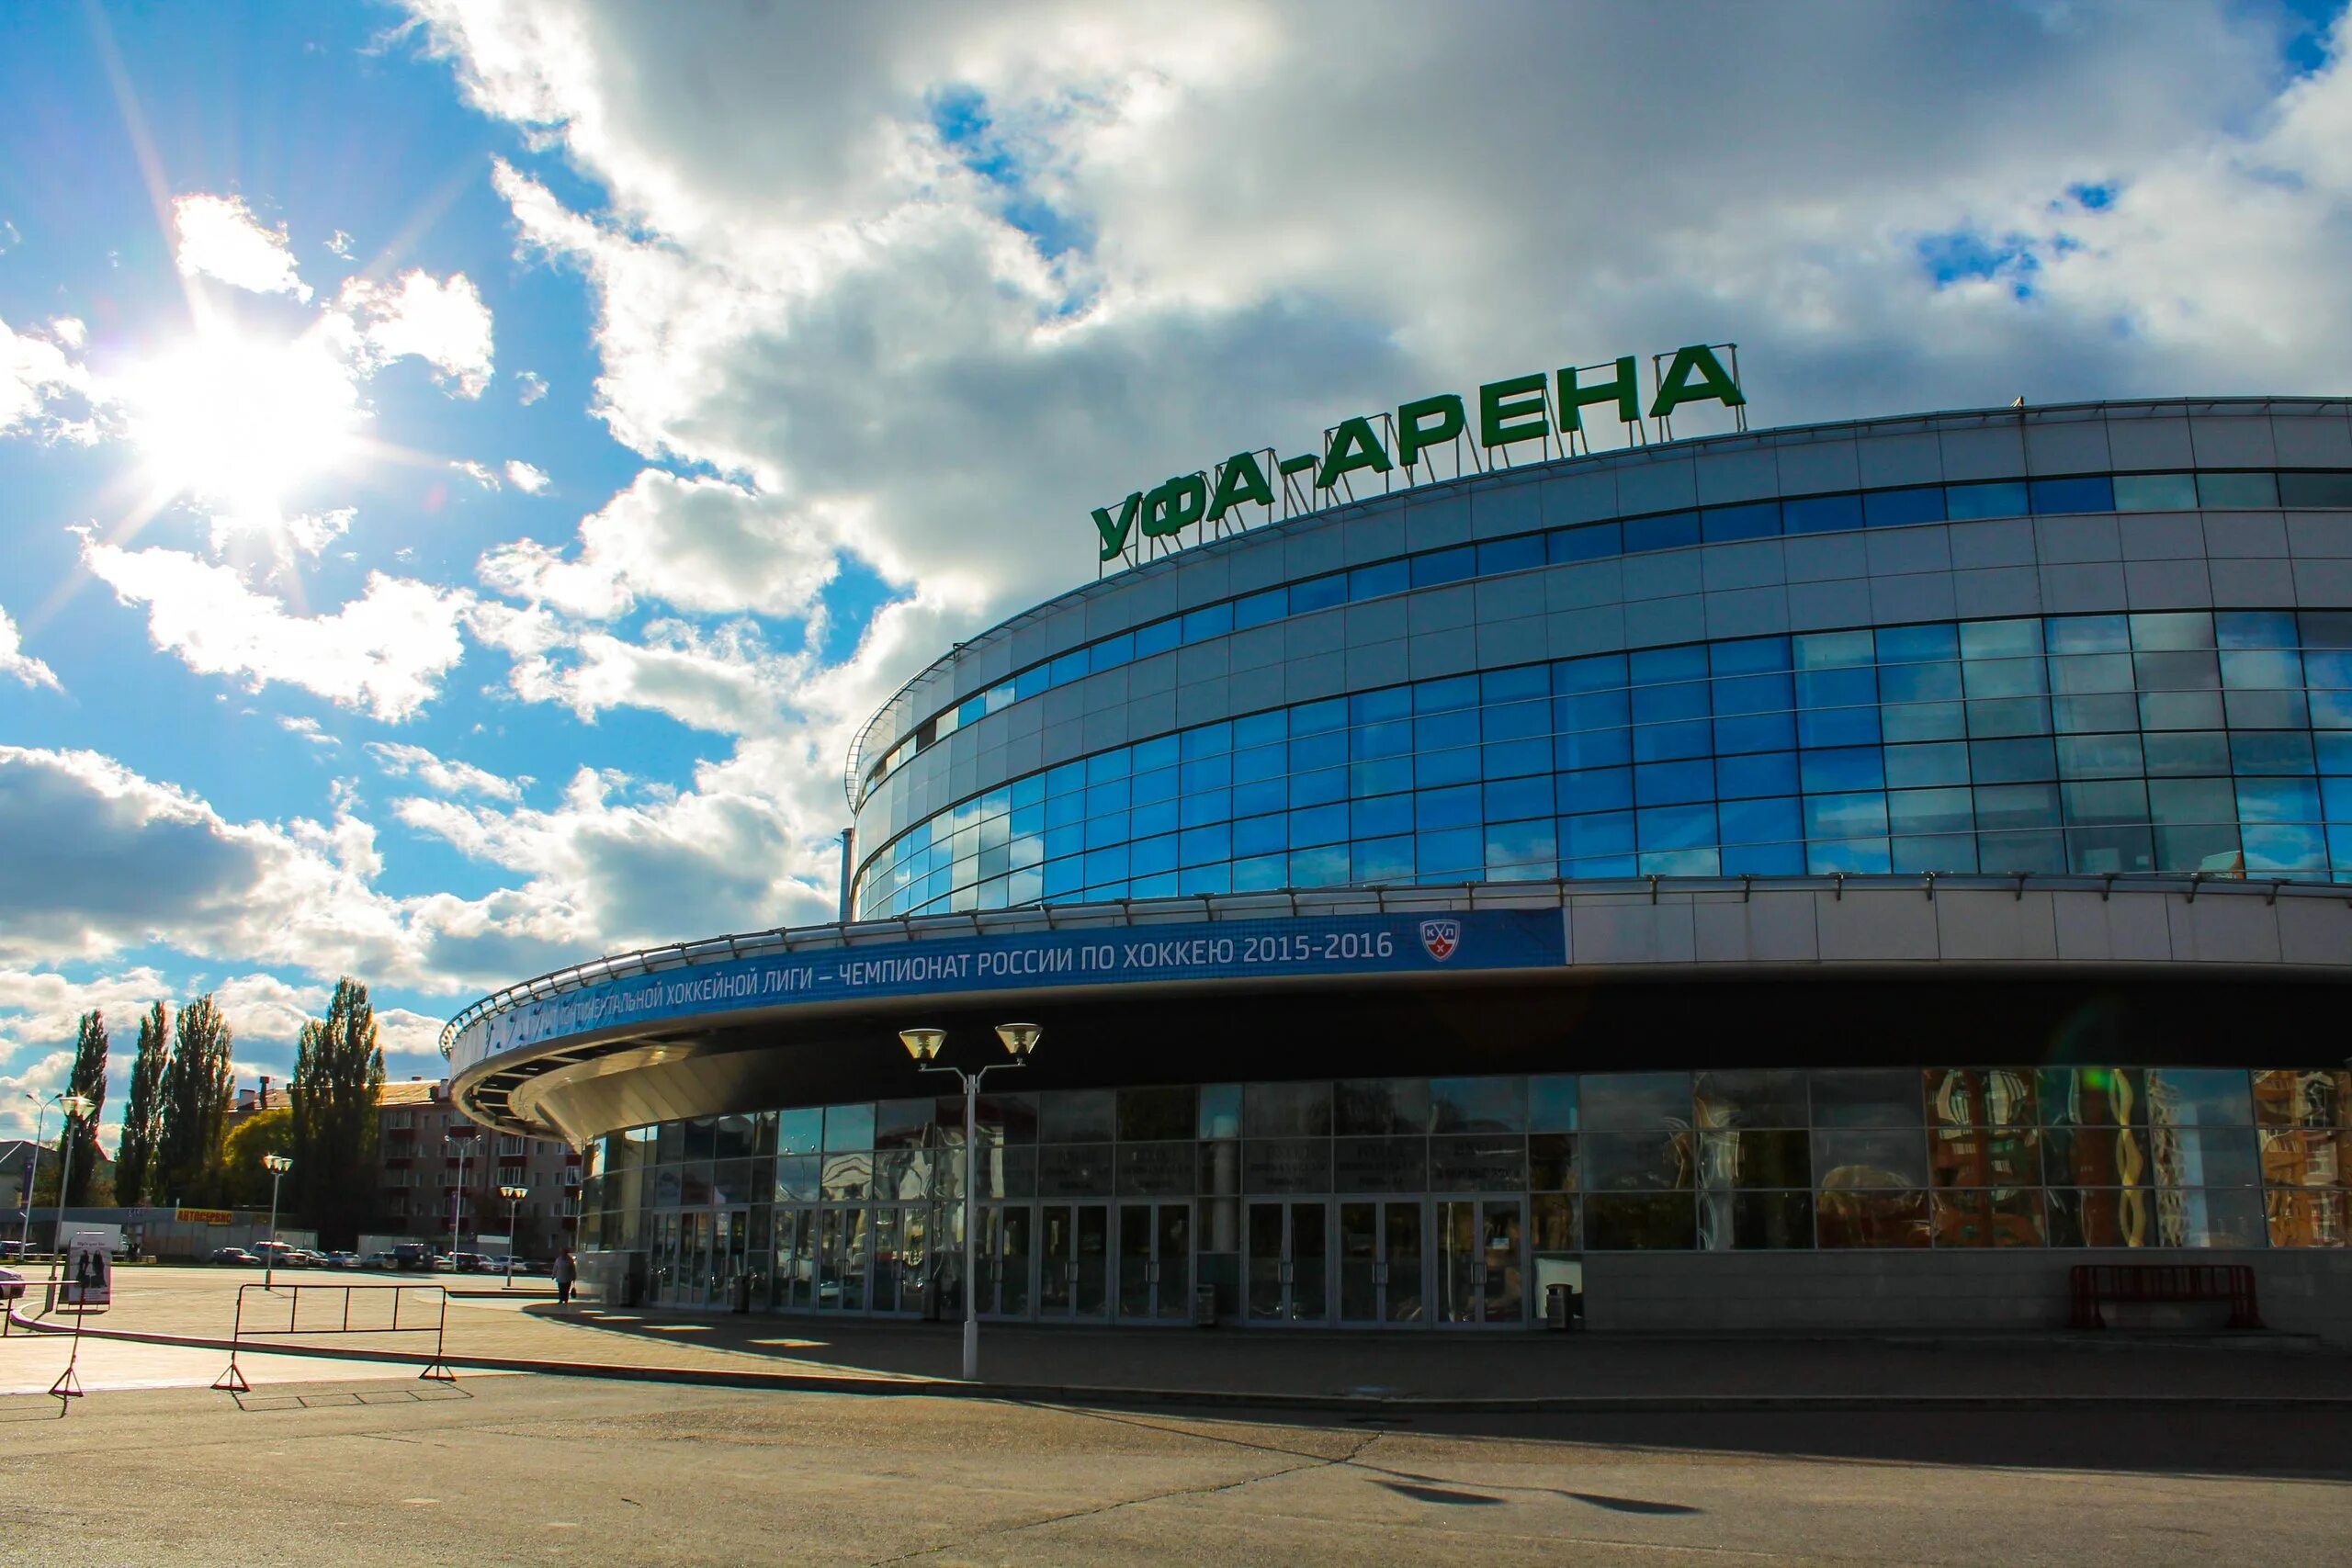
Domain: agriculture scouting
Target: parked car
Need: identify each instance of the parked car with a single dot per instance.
(339, 1260)
(236, 1255)
(386, 1261)
(12, 1285)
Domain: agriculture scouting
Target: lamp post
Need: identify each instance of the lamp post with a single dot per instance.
(75, 1105)
(464, 1146)
(32, 1173)
(924, 1044)
(513, 1195)
(277, 1165)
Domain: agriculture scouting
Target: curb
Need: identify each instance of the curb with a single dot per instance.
(1395, 1406)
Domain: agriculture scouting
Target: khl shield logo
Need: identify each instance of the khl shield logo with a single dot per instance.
(1441, 937)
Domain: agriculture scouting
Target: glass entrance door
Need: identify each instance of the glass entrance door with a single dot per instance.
(793, 1285)
(1382, 1262)
(841, 1260)
(1007, 1254)
(1073, 1261)
(1289, 1265)
(1482, 1261)
(730, 1260)
(1155, 1260)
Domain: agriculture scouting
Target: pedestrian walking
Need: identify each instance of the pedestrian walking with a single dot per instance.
(567, 1270)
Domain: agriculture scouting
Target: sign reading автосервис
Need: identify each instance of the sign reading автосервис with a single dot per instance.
(1215, 950)
(1521, 408)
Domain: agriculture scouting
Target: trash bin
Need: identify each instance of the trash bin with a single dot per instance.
(1204, 1306)
(1559, 1306)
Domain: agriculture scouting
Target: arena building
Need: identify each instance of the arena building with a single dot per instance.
(1823, 877)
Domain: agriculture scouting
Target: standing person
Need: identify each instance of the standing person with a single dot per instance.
(566, 1271)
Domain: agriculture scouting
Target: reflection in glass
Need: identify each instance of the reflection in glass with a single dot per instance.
(1640, 1221)
(1477, 1162)
(1866, 1097)
(1636, 1100)
(1478, 1105)
(1883, 1218)
(1848, 1159)
(1380, 1165)
(1367, 1107)
(1752, 1097)
(1999, 1217)
(2094, 1097)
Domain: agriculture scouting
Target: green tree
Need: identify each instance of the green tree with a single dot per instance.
(338, 1079)
(244, 1184)
(196, 1106)
(89, 1079)
(143, 1122)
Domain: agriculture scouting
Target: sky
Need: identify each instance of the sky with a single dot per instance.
(468, 470)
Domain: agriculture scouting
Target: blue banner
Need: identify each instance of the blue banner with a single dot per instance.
(1112, 955)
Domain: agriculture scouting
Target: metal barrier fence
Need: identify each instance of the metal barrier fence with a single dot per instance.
(437, 1368)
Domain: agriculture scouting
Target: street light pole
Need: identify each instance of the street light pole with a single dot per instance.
(277, 1165)
(456, 1198)
(513, 1195)
(74, 1105)
(924, 1044)
(32, 1174)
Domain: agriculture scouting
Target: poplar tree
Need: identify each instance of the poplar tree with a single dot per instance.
(143, 1122)
(89, 1079)
(196, 1105)
(338, 1079)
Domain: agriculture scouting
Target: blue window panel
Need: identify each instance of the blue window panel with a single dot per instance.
(2001, 497)
(2279, 800)
(1749, 656)
(1380, 818)
(1599, 789)
(1381, 860)
(1838, 726)
(1605, 833)
(1068, 841)
(1158, 784)
(1670, 531)
(1386, 776)
(1831, 650)
(1031, 682)
(1453, 852)
(1110, 827)
(1754, 694)
(1447, 694)
(1437, 731)
(1163, 885)
(1159, 636)
(1515, 720)
(1320, 824)
(1159, 751)
(1917, 645)
(1516, 553)
(1772, 773)
(1379, 579)
(1598, 674)
(1261, 729)
(1936, 682)
(1061, 878)
(1148, 856)
(1315, 718)
(1513, 758)
(1458, 766)
(1704, 861)
(2266, 710)
(1318, 788)
(2335, 752)
(1677, 827)
(1063, 810)
(975, 708)
(1209, 805)
(2339, 848)
(1603, 867)
(1852, 768)
(1763, 860)
(1196, 880)
(1444, 566)
(1111, 796)
(1923, 721)
(1520, 683)
(1684, 699)
(1208, 621)
(1319, 594)
(1068, 668)
(1255, 799)
(2331, 710)
(1257, 609)
(1772, 821)
(1029, 791)
(1593, 748)
(1837, 688)
(2336, 799)
(1205, 740)
(1532, 842)
(1198, 846)
(1456, 808)
(1518, 797)
(2256, 628)
(1674, 783)
(2285, 847)
(1591, 710)
(1390, 738)
(1900, 508)
(1327, 749)
(2271, 751)
(2012, 761)
(1106, 866)
(1261, 874)
(1856, 857)
(1377, 708)
(2218, 491)
(1861, 814)
(2093, 492)
(1111, 651)
(1938, 852)
(1595, 541)
(1749, 520)
(1323, 867)
(1668, 666)
(1827, 513)
(1755, 732)
(1916, 811)
(1209, 772)
(1917, 767)
(1260, 762)
(1664, 742)
(1066, 778)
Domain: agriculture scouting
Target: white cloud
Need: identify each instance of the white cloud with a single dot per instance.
(40, 373)
(9, 237)
(383, 653)
(19, 665)
(339, 244)
(440, 321)
(724, 680)
(219, 237)
(527, 479)
(307, 729)
(481, 473)
(529, 388)
(440, 774)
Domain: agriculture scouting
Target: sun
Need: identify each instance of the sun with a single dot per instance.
(240, 424)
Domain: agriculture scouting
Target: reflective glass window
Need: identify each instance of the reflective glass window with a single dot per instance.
(2218, 491)
(1668, 532)
(2091, 493)
(1899, 508)
(2156, 493)
(2003, 498)
(1832, 513)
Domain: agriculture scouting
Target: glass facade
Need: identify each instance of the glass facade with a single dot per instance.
(2211, 491)
(1454, 1200)
(2178, 741)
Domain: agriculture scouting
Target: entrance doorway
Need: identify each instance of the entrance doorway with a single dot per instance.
(1073, 1261)
(1155, 1260)
(1482, 1261)
(1289, 1263)
(1383, 1262)
(1007, 1252)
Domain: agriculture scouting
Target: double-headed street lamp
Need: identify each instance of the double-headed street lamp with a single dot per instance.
(924, 1045)
(463, 1147)
(277, 1165)
(513, 1195)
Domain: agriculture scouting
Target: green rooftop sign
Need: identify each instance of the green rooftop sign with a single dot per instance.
(1403, 447)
